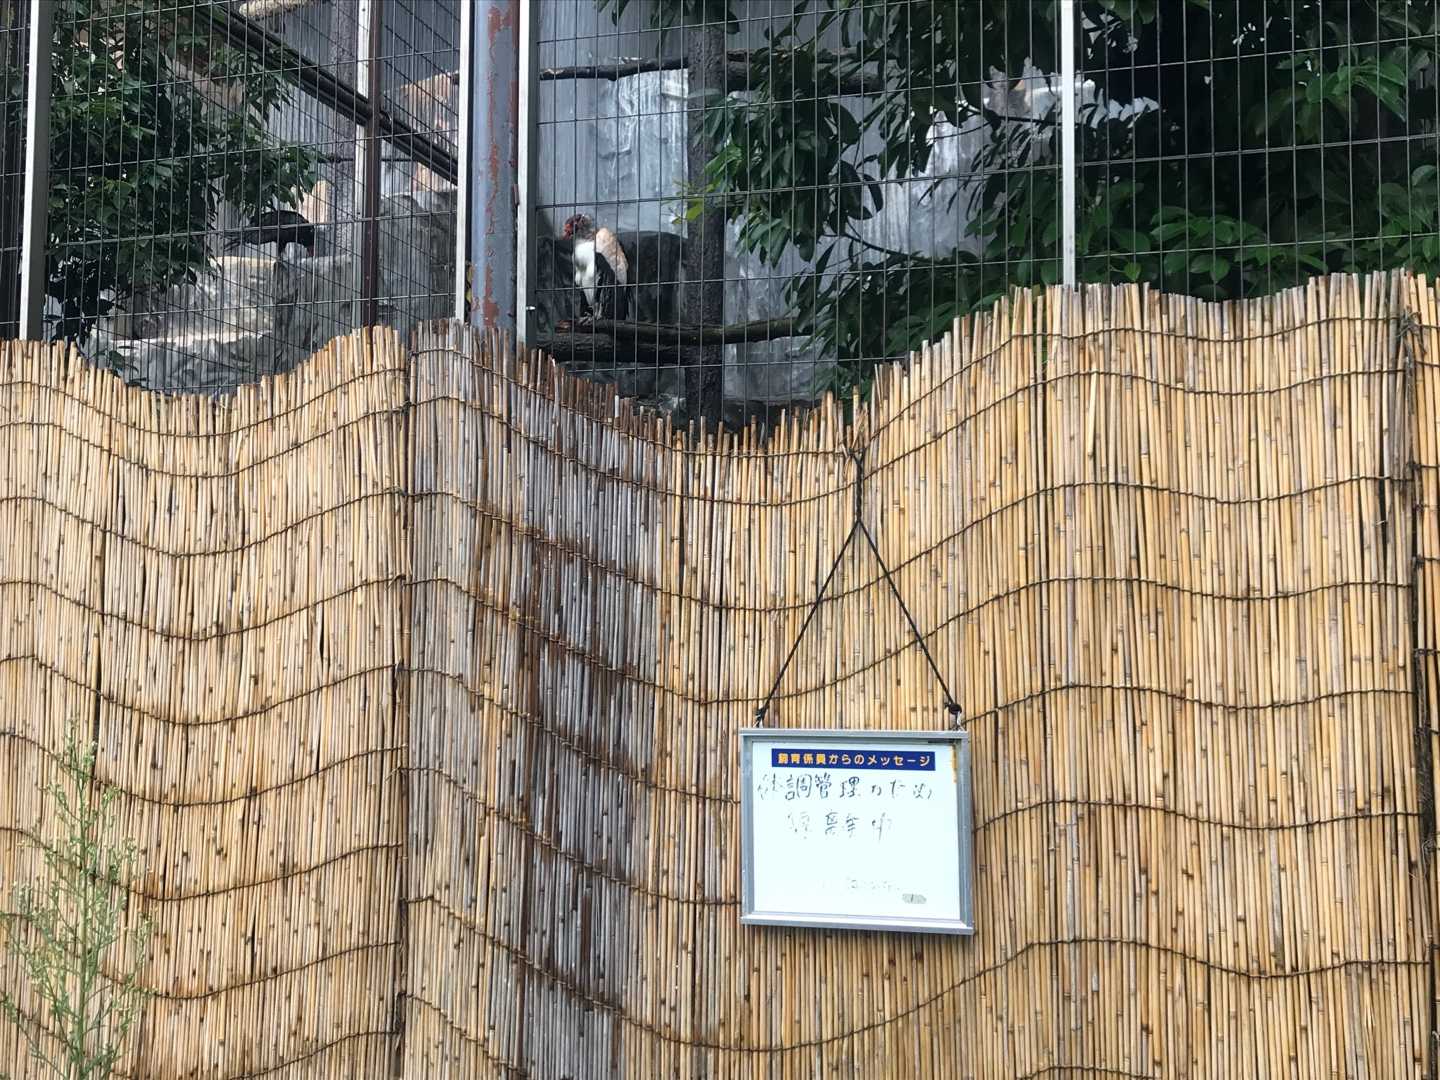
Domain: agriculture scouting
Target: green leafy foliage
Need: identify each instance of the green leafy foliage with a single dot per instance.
(66, 930)
(154, 121)
(1233, 149)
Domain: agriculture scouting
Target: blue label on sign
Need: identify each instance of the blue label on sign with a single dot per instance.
(905, 760)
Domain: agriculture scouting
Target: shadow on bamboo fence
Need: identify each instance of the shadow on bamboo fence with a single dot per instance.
(420, 670)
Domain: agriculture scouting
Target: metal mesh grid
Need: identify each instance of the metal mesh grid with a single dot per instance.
(825, 186)
(210, 219)
(420, 59)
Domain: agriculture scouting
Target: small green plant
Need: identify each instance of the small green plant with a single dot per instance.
(66, 926)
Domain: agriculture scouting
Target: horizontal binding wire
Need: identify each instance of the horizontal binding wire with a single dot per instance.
(955, 426)
(592, 869)
(240, 886)
(393, 581)
(576, 990)
(267, 422)
(38, 1023)
(535, 534)
(1162, 333)
(227, 800)
(461, 681)
(189, 720)
(972, 358)
(333, 432)
(276, 976)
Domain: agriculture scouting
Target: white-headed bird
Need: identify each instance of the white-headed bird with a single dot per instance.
(602, 272)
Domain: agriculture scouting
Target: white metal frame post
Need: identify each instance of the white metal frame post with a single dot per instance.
(34, 230)
(466, 159)
(529, 112)
(1069, 176)
(1068, 164)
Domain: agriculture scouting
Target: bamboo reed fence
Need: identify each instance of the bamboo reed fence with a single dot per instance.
(420, 669)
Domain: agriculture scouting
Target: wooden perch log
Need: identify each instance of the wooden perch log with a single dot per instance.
(615, 69)
(734, 334)
(606, 343)
(585, 351)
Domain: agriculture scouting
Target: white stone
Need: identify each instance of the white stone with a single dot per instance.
(255, 315)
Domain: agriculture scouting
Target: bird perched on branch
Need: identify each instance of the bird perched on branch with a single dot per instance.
(602, 272)
(279, 227)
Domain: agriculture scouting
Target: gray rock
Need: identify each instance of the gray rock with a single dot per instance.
(256, 315)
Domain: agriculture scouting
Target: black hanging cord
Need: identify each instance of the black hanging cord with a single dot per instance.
(858, 526)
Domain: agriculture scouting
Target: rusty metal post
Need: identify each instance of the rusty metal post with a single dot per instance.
(491, 169)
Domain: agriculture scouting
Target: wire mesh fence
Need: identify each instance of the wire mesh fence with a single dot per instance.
(737, 205)
(235, 182)
(791, 193)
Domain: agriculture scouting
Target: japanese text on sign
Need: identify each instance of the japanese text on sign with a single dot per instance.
(841, 829)
(852, 759)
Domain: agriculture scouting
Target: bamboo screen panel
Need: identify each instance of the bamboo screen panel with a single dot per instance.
(215, 591)
(449, 779)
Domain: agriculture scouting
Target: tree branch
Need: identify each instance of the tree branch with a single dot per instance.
(610, 344)
(737, 71)
(734, 334)
(616, 69)
(853, 84)
(590, 351)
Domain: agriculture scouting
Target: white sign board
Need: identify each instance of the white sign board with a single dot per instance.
(858, 829)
